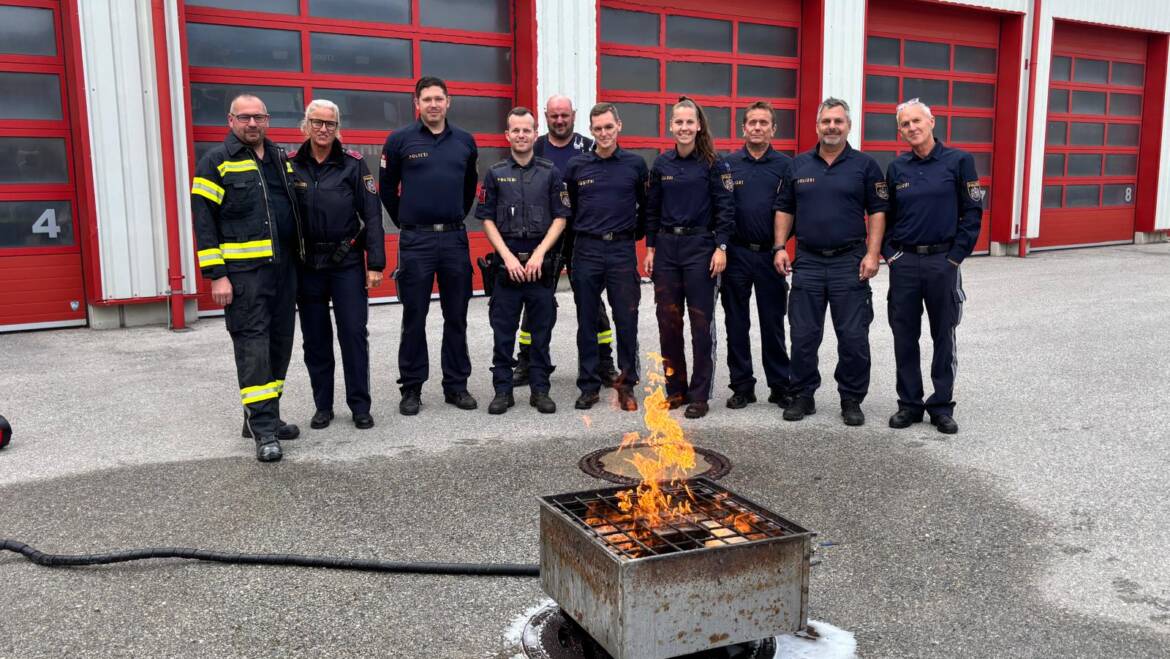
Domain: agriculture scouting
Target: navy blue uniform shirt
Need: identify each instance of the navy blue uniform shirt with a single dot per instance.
(437, 173)
(523, 201)
(561, 155)
(756, 184)
(608, 194)
(830, 202)
(687, 192)
(934, 200)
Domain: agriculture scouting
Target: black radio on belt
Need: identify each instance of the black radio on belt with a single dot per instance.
(345, 246)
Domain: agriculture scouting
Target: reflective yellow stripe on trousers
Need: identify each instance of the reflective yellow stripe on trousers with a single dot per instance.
(605, 337)
(249, 395)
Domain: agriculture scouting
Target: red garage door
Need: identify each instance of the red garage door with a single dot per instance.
(41, 281)
(364, 56)
(1092, 138)
(949, 58)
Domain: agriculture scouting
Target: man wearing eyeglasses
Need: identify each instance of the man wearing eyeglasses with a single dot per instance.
(248, 233)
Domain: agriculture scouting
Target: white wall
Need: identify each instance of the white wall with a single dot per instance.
(117, 54)
(844, 54)
(566, 59)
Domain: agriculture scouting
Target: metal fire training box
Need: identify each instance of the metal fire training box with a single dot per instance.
(728, 572)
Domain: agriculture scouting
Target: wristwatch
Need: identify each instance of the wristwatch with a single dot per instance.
(722, 247)
(776, 248)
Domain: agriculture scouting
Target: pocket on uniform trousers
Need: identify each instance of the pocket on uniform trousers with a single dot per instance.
(960, 297)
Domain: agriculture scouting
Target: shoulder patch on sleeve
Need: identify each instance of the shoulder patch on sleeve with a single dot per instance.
(727, 182)
(356, 155)
(382, 162)
(881, 190)
(565, 197)
(368, 180)
(481, 195)
(975, 191)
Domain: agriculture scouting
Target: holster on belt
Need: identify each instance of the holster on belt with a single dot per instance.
(550, 270)
(489, 267)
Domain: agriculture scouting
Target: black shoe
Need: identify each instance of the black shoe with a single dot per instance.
(542, 403)
(321, 419)
(905, 418)
(851, 412)
(586, 400)
(626, 400)
(800, 407)
(501, 403)
(607, 373)
(363, 421)
(675, 401)
(461, 399)
(779, 397)
(520, 374)
(411, 401)
(268, 450)
(284, 431)
(697, 410)
(740, 400)
(945, 423)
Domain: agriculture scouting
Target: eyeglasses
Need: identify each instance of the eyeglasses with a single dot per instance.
(318, 124)
(249, 118)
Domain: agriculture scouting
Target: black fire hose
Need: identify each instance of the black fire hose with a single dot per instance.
(330, 562)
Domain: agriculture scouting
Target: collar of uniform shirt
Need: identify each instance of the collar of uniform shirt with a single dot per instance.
(426, 130)
(934, 153)
(512, 159)
(768, 154)
(616, 150)
(845, 153)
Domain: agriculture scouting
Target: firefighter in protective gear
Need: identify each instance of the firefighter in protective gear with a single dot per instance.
(524, 212)
(248, 233)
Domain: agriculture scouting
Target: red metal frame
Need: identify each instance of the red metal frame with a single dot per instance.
(170, 177)
(1154, 104)
(60, 271)
(522, 90)
(1098, 223)
(935, 23)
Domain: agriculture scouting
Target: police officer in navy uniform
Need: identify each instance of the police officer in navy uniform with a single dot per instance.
(935, 215)
(756, 172)
(345, 256)
(248, 232)
(560, 145)
(607, 193)
(690, 216)
(524, 214)
(825, 200)
(435, 163)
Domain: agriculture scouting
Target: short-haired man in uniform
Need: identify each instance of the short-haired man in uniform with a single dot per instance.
(434, 162)
(607, 192)
(248, 234)
(523, 213)
(936, 212)
(560, 145)
(756, 171)
(825, 199)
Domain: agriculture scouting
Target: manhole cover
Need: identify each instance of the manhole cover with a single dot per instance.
(550, 634)
(614, 466)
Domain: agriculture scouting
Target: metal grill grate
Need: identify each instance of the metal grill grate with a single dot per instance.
(718, 518)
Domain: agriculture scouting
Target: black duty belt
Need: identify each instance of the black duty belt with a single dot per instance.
(434, 228)
(833, 251)
(936, 248)
(607, 237)
(322, 248)
(753, 247)
(686, 231)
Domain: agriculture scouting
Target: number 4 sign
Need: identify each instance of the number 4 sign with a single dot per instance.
(47, 224)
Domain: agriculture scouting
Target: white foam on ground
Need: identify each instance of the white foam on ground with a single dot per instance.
(831, 643)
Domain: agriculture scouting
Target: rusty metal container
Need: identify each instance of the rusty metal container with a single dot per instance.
(689, 587)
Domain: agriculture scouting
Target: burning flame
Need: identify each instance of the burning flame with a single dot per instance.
(672, 459)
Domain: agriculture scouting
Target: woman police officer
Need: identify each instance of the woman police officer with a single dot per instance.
(344, 256)
(690, 216)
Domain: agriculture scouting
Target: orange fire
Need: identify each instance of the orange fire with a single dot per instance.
(672, 459)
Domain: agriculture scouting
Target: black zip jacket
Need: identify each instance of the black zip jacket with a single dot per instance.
(234, 228)
(334, 197)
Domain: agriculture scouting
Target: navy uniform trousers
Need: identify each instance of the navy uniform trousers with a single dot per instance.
(611, 266)
(540, 309)
(682, 276)
(915, 281)
(747, 269)
(346, 287)
(819, 282)
(261, 320)
(423, 257)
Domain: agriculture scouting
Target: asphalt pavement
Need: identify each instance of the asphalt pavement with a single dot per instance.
(1040, 530)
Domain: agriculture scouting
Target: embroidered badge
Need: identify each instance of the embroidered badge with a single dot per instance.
(481, 196)
(881, 190)
(368, 179)
(565, 198)
(727, 182)
(975, 191)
